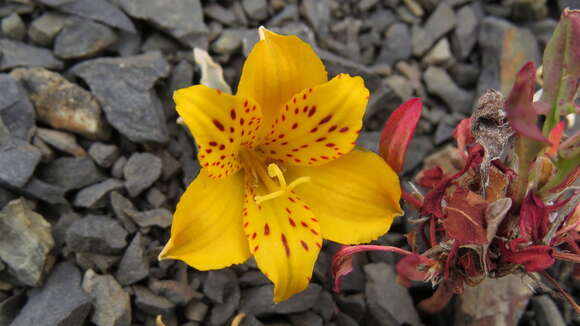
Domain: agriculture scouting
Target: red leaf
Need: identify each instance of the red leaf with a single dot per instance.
(465, 221)
(408, 270)
(534, 217)
(533, 258)
(431, 177)
(341, 266)
(463, 136)
(520, 110)
(398, 131)
(555, 137)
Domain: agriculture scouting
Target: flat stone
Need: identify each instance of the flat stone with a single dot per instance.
(396, 44)
(505, 48)
(256, 9)
(17, 114)
(71, 173)
(465, 75)
(527, 10)
(25, 243)
(196, 311)
(60, 302)
(546, 312)
(140, 172)
(317, 14)
(97, 262)
(18, 161)
(160, 42)
(258, 301)
(94, 195)
(441, 21)
(13, 27)
(134, 265)
(462, 39)
(82, 39)
(222, 312)
(46, 192)
(182, 19)
(306, 319)
(112, 304)
(10, 307)
(123, 208)
(156, 198)
(217, 284)
(62, 141)
(15, 54)
(124, 87)
(228, 42)
(104, 155)
(5, 197)
(62, 104)
(439, 54)
(150, 303)
(439, 83)
(100, 10)
(386, 299)
(216, 12)
(160, 217)
(418, 149)
(44, 29)
(96, 234)
(177, 292)
(118, 166)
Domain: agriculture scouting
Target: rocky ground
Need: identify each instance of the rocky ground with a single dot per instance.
(92, 161)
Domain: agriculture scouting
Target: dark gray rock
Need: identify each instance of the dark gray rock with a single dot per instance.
(16, 112)
(325, 306)
(46, 192)
(18, 161)
(62, 141)
(462, 39)
(444, 130)
(140, 172)
(505, 48)
(62, 104)
(112, 304)
(336, 65)
(546, 312)
(441, 21)
(13, 27)
(25, 243)
(543, 30)
(228, 42)
(440, 53)
(343, 319)
(123, 86)
(97, 262)
(44, 29)
(258, 301)
(117, 170)
(159, 42)
(216, 12)
(196, 310)
(439, 83)
(386, 299)
(94, 195)
(156, 198)
(317, 14)
(71, 173)
(253, 278)
(465, 75)
(60, 302)
(150, 303)
(222, 312)
(5, 197)
(572, 4)
(177, 292)
(82, 39)
(15, 54)
(217, 284)
(369, 140)
(306, 319)
(182, 19)
(396, 44)
(525, 10)
(10, 307)
(99, 10)
(290, 13)
(160, 217)
(256, 9)
(123, 209)
(96, 234)
(128, 44)
(134, 265)
(418, 149)
(353, 305)
(104, 154)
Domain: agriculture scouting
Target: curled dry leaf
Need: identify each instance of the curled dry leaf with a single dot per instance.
(211, 73)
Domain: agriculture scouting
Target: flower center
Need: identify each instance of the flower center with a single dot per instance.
(274, 171)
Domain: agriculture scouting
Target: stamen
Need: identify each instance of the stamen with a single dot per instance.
(274, 171)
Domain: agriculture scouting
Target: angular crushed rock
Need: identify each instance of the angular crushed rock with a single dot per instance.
(16, 112)
(96, 234)
(140, 172)
(134, 265)
(15, 54)
(112, 304)
(18, 161)
(83, 38)
(71, 173)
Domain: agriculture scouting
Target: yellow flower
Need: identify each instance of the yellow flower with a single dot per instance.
(279, 172)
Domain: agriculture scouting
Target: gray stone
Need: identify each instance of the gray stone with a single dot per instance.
(379, 20)
(543, 30)
(253, 278)
(441, 21)
(317, 14)
(117, 170)
(19, 7)
(104, 155)
(82, 39)
(47, 152)
(181, 76)
(155, 217)
(156, 198)
(150, 303)
(387, 299)
(16, 112)
(60, 302)
(217, 283)
(546, 312)
(159, 42)
(62, 104)
(18, 161)
(94, 195)
(46, 192)
(505, 48)
(196, 311)
(62, 141)
(439, 54)
(365, 5)
(465, 75)
(134, 265)
(97, 262)
(220, 14)
(128, 44)
(529, 10)
(572, 4)
(15, 54)
(258, 301)
(71, 173)
(336, 65)
(182, 19)
(10, 307)
(353, 305)
(100, 10)
(222, 312)
(418, 149)
(123, 208)
(13, 27)
(177, 292)
(112, 304)
(96, 234)
(369, 140)
(290, 13)
(5, 197)
(439, 83)
(25, 243)
(463, 38)
(256, 9)
(343, 319)
(124, 87)
(444, 131)
(44, 29)
(228, 42)
(396, 44)
(140, 172)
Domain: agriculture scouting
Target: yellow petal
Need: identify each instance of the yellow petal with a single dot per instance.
(319, 124)
(206, 232)
(284, 238)
(355, 197)
(277, 68)
(221, 124)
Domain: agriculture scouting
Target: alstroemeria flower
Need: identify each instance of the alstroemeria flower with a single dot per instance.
(279, 172)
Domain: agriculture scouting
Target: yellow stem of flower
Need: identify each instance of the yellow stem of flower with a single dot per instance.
(275, 172)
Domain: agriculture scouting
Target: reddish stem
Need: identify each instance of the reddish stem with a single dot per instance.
(567, 256)
(412, 200)
(562, 291)
(354, 249)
